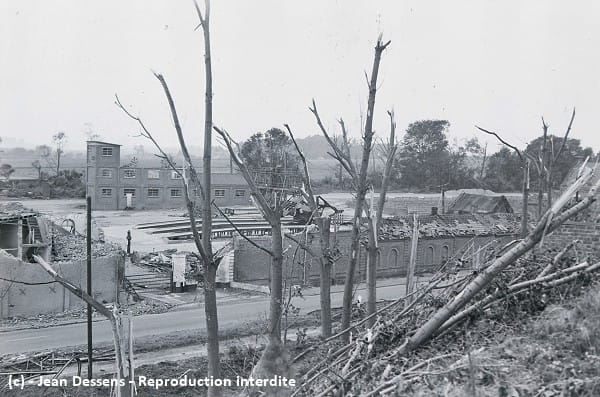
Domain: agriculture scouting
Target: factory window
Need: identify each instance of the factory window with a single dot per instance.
(153, 193)
(240, 193)
(153, 174)
(106, 173)
(129, 174)
(129, 191)
(219, 192)
(106, 192)
(175, 175)
(107, 151)
(176, 193)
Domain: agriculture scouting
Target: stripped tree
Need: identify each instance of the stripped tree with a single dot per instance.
(272, 203)
(341, 152)
(525, 161)
(548, 158)
(374, 220)
(326, 257)
(194, 187)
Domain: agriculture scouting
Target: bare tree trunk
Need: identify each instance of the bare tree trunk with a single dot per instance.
(210, 268)
(525, 216)
(374, 224)
(276, 282)
(372, 251)
(410, 274)
(542, 170)
(324, 224)
(361, 190)
(482, 170)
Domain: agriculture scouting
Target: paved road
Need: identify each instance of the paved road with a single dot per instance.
(231, 313)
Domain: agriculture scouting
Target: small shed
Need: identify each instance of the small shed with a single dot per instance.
(468, 203)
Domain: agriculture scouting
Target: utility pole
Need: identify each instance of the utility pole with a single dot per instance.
(89, 283)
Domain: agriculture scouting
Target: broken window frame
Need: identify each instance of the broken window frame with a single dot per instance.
(129, 174)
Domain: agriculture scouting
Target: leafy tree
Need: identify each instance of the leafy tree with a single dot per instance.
(424, 154)
(504, 171)
(59, 140)
(6, 170)
(569, 157)
(38, 167)
(270, 157)
(272, 149)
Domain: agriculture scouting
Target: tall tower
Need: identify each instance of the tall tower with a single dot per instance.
(102, 174)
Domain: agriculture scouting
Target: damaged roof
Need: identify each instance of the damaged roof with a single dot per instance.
(479, 204)
(450, 225)
(14, 210)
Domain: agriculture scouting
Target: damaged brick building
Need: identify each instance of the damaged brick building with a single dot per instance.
(440, 237)
(26, 289)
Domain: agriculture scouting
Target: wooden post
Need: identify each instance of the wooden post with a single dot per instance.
(413, 260)
(132, 391)
(89, 283)
(20, 239)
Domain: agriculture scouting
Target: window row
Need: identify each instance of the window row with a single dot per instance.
(174, 192)
(132, 173)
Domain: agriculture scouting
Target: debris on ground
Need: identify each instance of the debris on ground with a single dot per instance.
(162, 261)
(72, 247)
(77, 315)
(458, 356)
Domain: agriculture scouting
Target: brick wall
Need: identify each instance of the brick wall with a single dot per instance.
(587, 232)
(251, 265)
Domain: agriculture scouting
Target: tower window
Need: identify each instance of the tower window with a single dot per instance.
(106, 192)
(106, 173)
(129, 174)
(107, 151)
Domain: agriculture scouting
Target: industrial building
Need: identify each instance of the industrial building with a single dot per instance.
(114, 186)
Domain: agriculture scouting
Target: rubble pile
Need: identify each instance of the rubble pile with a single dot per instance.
(435, 226)
(72, 247)
(161, 261)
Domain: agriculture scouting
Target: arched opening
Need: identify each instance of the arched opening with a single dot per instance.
(393, 258)
(445, 253)
(429, 255)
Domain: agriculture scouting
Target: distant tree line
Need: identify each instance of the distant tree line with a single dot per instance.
(427, 161)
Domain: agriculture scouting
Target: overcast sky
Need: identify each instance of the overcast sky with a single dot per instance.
(499, 64)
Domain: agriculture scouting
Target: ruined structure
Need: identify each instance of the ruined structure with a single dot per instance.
(26, 289)
(22, 232)
(114, 186)
(440, 237)
(468, 203)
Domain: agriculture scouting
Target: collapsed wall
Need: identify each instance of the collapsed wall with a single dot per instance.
(26, 289)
